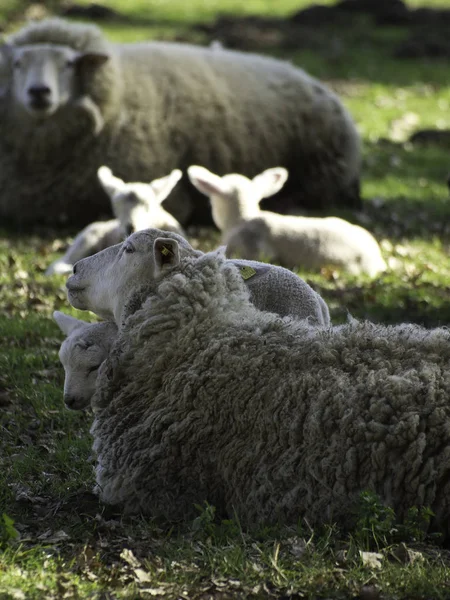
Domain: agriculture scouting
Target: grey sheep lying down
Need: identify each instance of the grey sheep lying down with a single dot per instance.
(71, 101)
(205, 398)
(272, 288)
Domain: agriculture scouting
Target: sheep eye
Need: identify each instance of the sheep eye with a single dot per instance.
(16, 64)
(128, 248)
(70, 63)
(92, 369)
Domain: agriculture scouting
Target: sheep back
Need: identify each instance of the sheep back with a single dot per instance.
(307, 242)
(281, 291)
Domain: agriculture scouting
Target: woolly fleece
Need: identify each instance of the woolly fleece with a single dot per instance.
(205, 398)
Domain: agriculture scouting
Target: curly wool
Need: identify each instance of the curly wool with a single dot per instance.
(165, 106)
(204, 397)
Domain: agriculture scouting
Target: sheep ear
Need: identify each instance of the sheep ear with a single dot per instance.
(66, 323)
(206, 182)
(270, 182)
(166, 252)
(111, 184)
(92, 59)
(163, 186)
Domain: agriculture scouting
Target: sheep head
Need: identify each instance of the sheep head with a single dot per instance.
(45, 77)
(235, 198)
(106, 282)
(83, 351)
(136, 204)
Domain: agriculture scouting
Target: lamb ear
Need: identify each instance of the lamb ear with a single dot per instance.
(270, 181)
(206, 182)
(111, 184)
(66, 323)
(166, 252)
(163, 186)
(92, 59)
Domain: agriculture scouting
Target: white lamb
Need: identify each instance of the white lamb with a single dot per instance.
(135, 205)
(273, 289)
(83, 351)
(306, 242)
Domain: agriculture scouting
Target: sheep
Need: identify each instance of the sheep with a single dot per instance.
(294, 241)
(205, 398)
(135, 206)
(272, 288)
(71, 101)
(83, 351)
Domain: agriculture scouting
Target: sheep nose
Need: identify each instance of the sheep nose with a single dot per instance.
(69, 400)
(75, 268)
(129, 229)
(39, 93)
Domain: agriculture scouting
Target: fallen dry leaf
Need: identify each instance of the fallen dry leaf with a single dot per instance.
(371, 559)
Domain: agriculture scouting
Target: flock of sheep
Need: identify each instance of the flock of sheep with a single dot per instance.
(216, 378)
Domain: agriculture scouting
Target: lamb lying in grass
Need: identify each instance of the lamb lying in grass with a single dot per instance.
(306, 242)
(205, 398)
(272, 288)
(135, 206)
(83, 351)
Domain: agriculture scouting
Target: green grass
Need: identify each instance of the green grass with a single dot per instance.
(62, 543)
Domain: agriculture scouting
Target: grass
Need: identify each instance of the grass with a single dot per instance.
(56, 541)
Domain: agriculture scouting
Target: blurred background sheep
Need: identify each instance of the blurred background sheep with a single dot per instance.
(306, 242)
(72, 101)
(135, 206)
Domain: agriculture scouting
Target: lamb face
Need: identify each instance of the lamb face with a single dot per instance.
(105, 281)
(235, 198)
(44, 76)
(137, 205)
(88, 287)
(83, 351)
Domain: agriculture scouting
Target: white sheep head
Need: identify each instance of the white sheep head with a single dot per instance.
(234, 197)
(104, 282)
(135, 204)
(87, 345)
(44, 76)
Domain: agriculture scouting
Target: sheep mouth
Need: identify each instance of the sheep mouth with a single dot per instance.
(74, 287)
(40, 108)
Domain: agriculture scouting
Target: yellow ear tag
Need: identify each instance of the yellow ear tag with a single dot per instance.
(166, 251)
(247, 272)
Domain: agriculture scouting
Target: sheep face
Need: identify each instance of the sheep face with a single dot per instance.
(81, 354)
(44, 76)
(136, 205)
(105, 281)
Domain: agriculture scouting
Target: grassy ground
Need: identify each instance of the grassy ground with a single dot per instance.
(56, 541)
